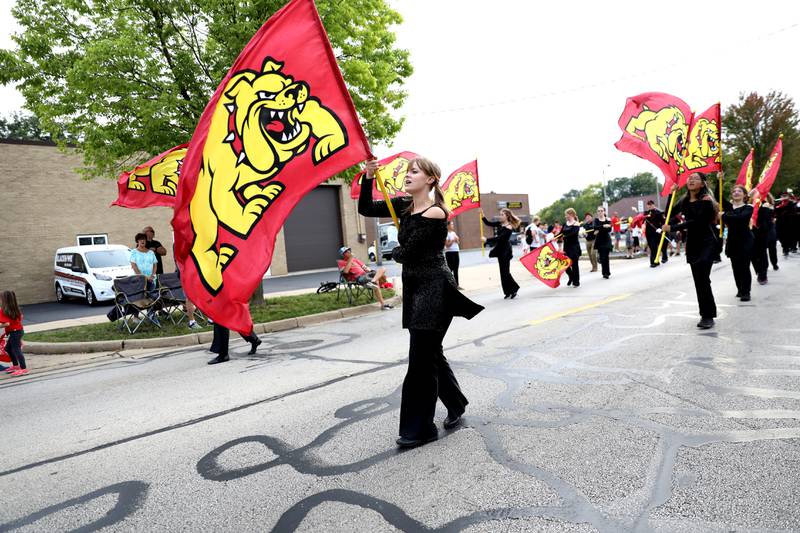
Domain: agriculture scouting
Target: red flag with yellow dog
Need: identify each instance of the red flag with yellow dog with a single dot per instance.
(547, 264)
(703, 153)
(461, 189)
(280, 123)
(153, 183)
(392, 172)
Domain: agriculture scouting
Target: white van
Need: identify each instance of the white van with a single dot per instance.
(88, 272)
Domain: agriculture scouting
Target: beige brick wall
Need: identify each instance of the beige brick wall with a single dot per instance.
(44, 205)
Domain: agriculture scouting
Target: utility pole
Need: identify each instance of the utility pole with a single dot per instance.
(605, 197)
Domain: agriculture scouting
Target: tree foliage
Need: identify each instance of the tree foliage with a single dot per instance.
(126, 77)
(756, 121)
(22, 127)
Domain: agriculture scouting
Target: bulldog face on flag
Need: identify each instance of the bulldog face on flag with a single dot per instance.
(463, 189)
(551, 264)
(703, 144)
(262, 122)
(664, 130)
(163, 175)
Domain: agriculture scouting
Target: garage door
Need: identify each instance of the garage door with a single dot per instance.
(313, 231)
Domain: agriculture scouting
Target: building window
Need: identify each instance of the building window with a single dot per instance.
(86, 240)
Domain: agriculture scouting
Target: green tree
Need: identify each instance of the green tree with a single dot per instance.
(22, 127)
(581, 200)
(756, 121)
(127, 77)
(641, 184)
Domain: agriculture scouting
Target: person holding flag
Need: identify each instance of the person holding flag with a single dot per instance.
(739, 245)
(654, 219)
(430, 299)
(602, 241)
(761, 233)
(501, 249)
(572, 246)
(700, 215)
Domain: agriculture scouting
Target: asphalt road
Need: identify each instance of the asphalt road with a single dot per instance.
(596, 409)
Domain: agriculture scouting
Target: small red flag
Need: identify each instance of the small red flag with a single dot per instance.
(746, 173)
(702, 148)
(392, 171)
(152, 183)
(767, 177)
(280, 123)
(547, 264)
(461, 189)
(655, 127)
(638, 220)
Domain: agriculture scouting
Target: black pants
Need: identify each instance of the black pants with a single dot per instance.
(573, 272)
(509, 285)
(452, 263)
(772, 247)
(602, 254)
(760, 261)
(741, 274)
(701, 274)
(429, 377)
(219, 344)
(652, 244)
(14, 348)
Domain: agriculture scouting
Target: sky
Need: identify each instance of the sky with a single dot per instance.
(534, 90)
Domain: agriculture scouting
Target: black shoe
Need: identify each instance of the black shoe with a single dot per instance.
(664, 260)
(405, 442)
(506, 297)
(569, 283)
(513, 295)
(452, 421)
(706, 323)
(576, 285)
(745, 297)
(738, 294)
(653, 265)
(253, 346)
(762, 281)
(775, 267)
(219, 359)
(606, 277)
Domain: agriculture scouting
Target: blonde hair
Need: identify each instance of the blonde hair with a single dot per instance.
(431, 169)
(570, 211)
(511, 217)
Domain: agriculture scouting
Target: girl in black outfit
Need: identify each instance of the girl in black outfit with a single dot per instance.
(572, 246)
(219, 343)
(739, 246)
(762, 237)
(772, 234)
(602, 240)
(502, 249)
(700, 215)
(430, 299)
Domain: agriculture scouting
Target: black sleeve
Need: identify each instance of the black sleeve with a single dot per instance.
(731, 216)
(369, 208)
(726, 205)
(421, 240)
(492, 224)
(570, 231)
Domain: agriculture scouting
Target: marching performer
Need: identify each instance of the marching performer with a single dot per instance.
(739, 245)
(501, 249)
(700, 215)
(430, 299)
(572, 246)
(602, 241)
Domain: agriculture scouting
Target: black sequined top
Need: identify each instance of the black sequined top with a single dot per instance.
(430, 296)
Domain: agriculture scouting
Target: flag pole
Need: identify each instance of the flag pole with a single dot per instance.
(720, 194)
(664, 233)
(483, 242)
(388, 200)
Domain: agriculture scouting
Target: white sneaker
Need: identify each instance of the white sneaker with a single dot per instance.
(370, 285)
(194, 325)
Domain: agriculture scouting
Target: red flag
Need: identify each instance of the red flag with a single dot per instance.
(280, 123)
(461, 189)
(152, 183)
(746, 173)
(702, 148)
(638, 220)
(392, 171)
(655, 127)
(547, 264)
(767, 177)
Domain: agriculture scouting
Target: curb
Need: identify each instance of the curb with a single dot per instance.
(196, 339)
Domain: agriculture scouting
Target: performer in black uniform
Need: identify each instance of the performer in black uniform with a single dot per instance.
(761, 243)
(219, 344)
(572, 246)
(502, 249)
(739, 246)
(430, 299)
(654, 219)
(602, 241)
(700, 214)
(785, 214)
(772, 234)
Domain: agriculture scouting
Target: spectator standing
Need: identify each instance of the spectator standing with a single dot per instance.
(588, 228)
(451, 250)
(143, 263)
(616, 229)
(156, 246)
(11, 321)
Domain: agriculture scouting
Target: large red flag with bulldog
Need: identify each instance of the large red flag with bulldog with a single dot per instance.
(461, 190)
(767, 177)
(546, 264)
(703, 152)
(152, 183)
(280, 123)
(655, 127)
(392, 172)
(746, 173)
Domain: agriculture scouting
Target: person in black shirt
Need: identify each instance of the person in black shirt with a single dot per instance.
(654, 219)
(739, 246)
(156, 246)
(700, 214)
(761, 232)
(588, 228)
(602, 240)
(572, 246)
(502, 249)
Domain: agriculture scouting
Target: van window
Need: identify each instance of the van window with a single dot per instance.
(79, 264)
(108, 258)
(65, 260)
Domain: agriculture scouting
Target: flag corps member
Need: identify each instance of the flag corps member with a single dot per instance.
(430, 299)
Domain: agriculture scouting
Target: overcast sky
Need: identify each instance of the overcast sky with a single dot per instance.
(534, 90)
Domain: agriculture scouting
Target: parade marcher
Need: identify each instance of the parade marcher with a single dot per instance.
(501, 249)
(654, 219)
(219, 343)
(451, 251)
(572, 246)
(430, 299)
(772, 235)
(11, 321)
(589, 231)
(602, 241)
(700, 215)
(785, 214)
(739, 245)
(761, 243)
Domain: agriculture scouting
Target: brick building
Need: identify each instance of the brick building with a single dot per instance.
(45, 205)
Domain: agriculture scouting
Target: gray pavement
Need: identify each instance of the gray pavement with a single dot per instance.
(601, 408)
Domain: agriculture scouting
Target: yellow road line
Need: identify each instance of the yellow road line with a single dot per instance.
(579, 309)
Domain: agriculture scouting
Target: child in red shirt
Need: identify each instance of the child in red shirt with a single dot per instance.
(11, 320)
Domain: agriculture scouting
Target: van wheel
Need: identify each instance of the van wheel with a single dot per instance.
(60, 298)
(90, 299)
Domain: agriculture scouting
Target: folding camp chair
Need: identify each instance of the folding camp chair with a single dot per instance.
(352, 288)
(132, 298)
(173, 299)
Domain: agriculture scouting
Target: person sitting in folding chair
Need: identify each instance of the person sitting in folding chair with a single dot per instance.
(354, 270)
(143, 262)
